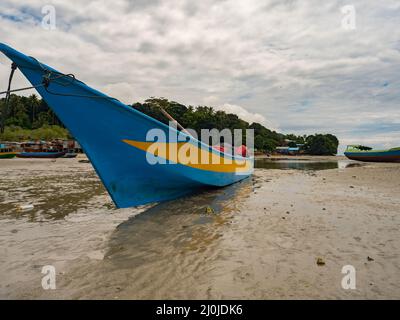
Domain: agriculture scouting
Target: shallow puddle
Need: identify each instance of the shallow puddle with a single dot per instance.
(298, 164)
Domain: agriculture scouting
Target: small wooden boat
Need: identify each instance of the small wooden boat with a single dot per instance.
(367, 154)
(115, 138)
(41, 155)
(70, 155)
(6, 153)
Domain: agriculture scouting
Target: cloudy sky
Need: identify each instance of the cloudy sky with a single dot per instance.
(293, 65)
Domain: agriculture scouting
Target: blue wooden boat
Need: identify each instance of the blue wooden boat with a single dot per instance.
(361, 153)
(40, 155)
(113, 136)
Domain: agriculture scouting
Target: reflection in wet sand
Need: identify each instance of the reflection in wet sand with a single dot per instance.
(171, 245)
(74, 226)
(304, 164)
(188, 224)
(255, 239)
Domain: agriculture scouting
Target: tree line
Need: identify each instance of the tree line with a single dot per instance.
(31, 118)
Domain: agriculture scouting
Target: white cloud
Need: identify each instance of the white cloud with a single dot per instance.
(245, 114)
(287, 61)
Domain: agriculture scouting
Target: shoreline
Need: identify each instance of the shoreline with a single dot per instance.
(261, 242)
(301, 157)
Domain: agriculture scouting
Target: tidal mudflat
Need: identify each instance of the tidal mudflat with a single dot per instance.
(257, 239)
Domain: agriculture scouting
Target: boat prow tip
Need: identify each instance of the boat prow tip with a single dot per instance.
(5, 48)
(15, 55)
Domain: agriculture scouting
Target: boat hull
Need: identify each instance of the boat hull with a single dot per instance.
(41, 155)
(370, 156)
(7, 155)
(111, 134)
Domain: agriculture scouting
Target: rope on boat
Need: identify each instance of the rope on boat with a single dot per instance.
(47, 79)
(22, 89)
(45, 83)
(4, 112)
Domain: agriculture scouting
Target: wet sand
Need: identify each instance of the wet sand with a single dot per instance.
(258, 239)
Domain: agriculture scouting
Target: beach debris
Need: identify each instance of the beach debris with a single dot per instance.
(351, 187)
(283, 218)
(287, 212)
(84, 161)
(320, 261)
(209, 210)
(25, 207)
(324, 209)
(370, 259)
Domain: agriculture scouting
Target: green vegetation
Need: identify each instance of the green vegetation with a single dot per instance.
(46, 132)
(321, 144)
(204, 117)
(31, 118)
(28, 112)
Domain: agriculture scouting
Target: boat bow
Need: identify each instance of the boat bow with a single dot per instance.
(105, 128)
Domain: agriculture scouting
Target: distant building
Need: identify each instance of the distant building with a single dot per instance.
(71, 146)
(44, 146)
(287, 150)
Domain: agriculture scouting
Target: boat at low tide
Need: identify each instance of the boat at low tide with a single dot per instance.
(114, 138)
(70, 155)
(40, 155)
(6, 153)
(361, 153)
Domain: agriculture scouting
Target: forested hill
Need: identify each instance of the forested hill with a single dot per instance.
(31, 118)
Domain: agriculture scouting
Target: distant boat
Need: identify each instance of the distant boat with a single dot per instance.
(368, 154)
(7, 153)
(115, 139)
(70, 155)
(42, 155)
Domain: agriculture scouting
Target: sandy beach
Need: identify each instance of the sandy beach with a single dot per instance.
(258, 239)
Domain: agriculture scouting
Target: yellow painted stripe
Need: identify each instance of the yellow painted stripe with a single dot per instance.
(192, 156)
(6, 153)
